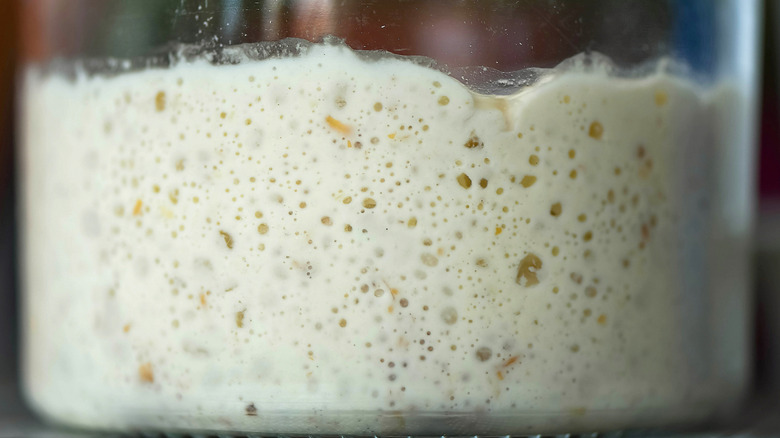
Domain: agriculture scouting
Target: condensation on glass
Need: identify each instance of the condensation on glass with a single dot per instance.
(386, 217)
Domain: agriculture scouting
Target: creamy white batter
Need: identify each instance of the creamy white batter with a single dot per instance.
(216, 246)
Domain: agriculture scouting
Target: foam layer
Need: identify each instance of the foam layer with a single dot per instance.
(206, 245)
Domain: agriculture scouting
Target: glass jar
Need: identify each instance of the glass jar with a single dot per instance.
(395, 217)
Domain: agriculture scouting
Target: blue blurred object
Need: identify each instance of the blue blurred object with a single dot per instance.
(694, 36)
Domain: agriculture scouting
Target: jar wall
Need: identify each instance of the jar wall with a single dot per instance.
(422, 226)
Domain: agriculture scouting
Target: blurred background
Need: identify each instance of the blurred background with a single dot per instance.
(761, 415)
